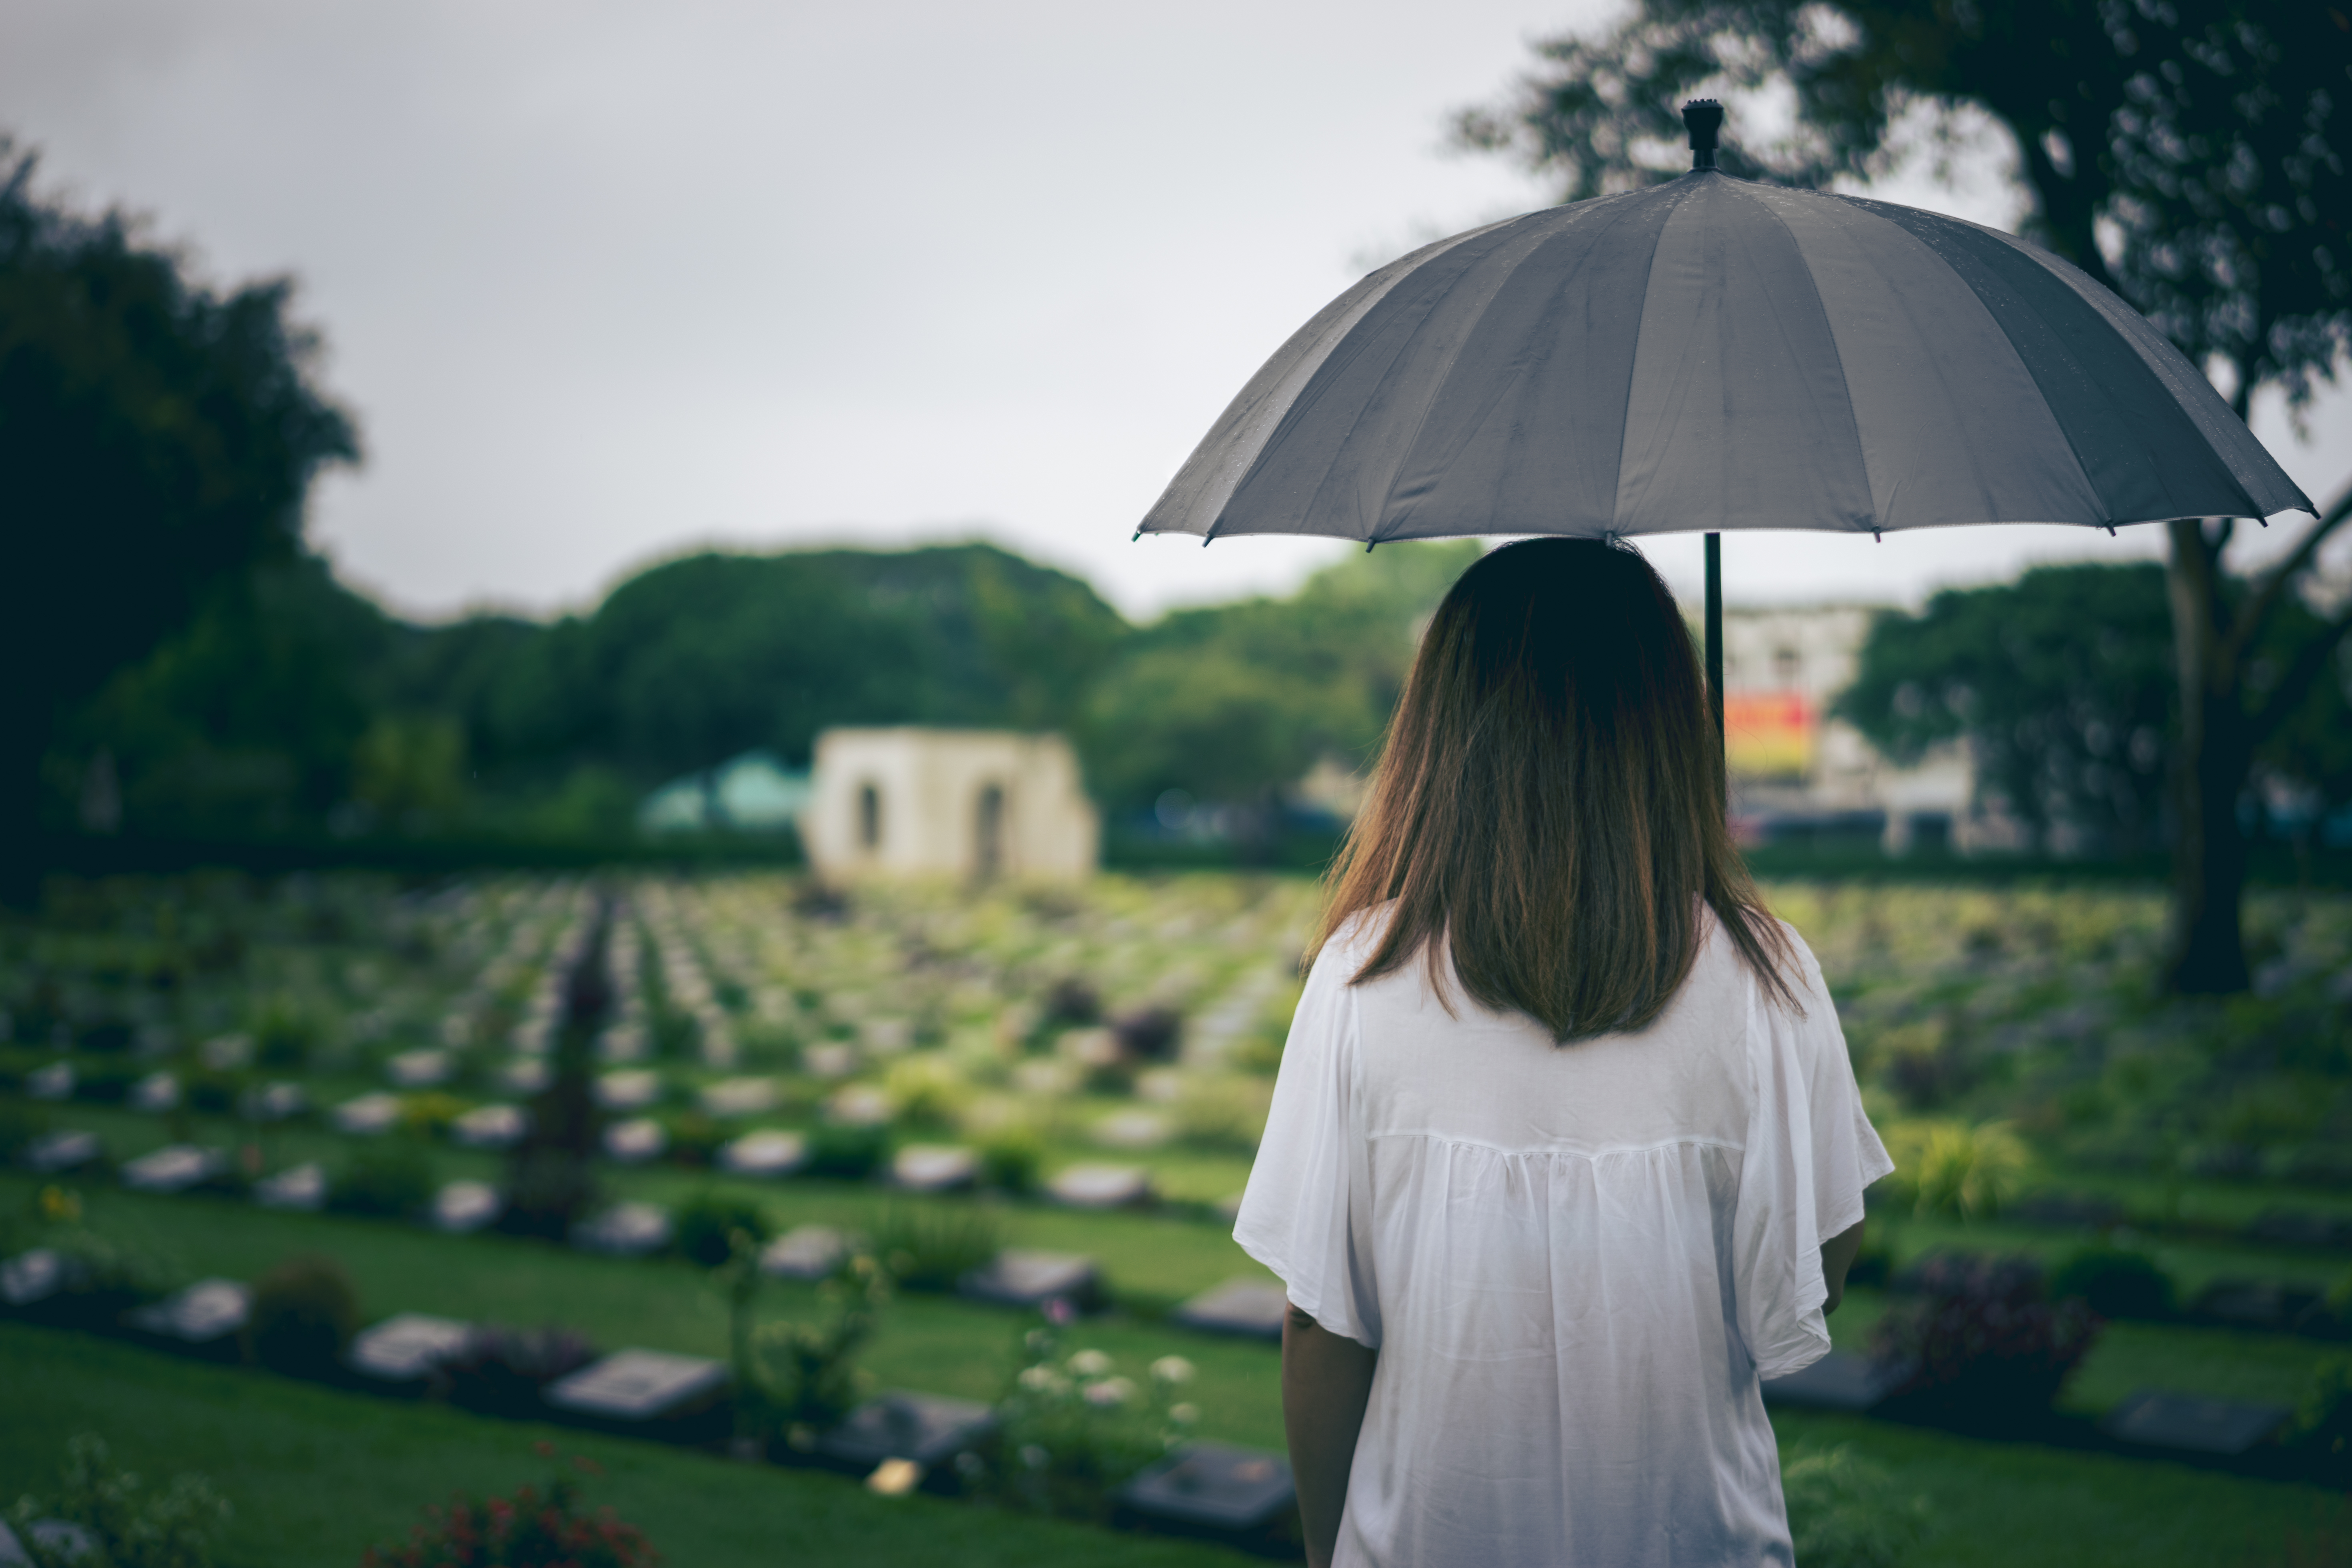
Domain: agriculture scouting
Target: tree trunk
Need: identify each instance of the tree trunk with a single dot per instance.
(2205, 950)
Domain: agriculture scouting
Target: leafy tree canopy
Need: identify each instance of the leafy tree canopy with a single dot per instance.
(2202, 140)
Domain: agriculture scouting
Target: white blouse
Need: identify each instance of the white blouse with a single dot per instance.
(1575, 1262)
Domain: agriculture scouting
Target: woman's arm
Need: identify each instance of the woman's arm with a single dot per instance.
(1326, 1379)
(1837, 1257)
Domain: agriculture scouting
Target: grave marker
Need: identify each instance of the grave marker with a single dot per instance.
(1212, 1488)
(368, 1115)
(490, 1127)
(635, 1141)
(55, 1081)
(1020, 1278)
(302, 1186)
(67, 1149)
(204, 1318)
(460, 1208)
(419, 1070)
(403, 1351)
(158, 1091)
(624, 1230)
(633, 1089)
(682, 1396)
(934, 1167)
(1839, 1380)
(922, 1428)
(1101, 1187)
(173, 1168)
(1249, 1308)
(767, 1153)
(805, 1252)
(2158, 1418)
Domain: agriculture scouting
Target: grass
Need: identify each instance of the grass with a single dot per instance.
(317, 1476)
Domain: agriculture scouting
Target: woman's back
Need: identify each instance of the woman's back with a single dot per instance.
(1573, 1260)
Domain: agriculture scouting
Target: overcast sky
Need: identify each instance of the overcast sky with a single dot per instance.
(603, 282)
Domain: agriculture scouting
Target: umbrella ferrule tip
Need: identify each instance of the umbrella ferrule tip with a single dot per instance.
(1703, 118)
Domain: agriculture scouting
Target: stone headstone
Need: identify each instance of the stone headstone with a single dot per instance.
(888, 1037)
(636, 1387)
(55, 1081)
(2157, 1419)
(2066, 1209)
(924, 1428)
(31, 1277)
(632, 1090)
(1839, 1380)
(460, 1208)
(635, 1141)
(302, 1186)
(738, 1096)
(1246, 1307)
(227, 1053)
(67, 1149)
(767, 1154)
(1101, 1187)
(624, 1230)
(623, 1043)
(1019, 1278)
(158, 1091)
(2261, 1304)
(419, 1070)
(206, 1316)
(859, 1105)
(490, 1127)
(368, 1115)
(1212, 1487)
(831, 1060)
(525, 1075)
(934, 1167)
(60, 1540)
(405, 1349)
(1133, 1130)
(1045, 1077)
(276, 1101)
(805, 1252)
(173, 1168)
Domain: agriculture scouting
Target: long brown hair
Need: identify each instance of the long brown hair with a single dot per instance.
(1547, 802)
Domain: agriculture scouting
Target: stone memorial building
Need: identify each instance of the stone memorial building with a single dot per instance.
(979, 803)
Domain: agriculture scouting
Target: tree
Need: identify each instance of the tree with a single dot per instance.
(2188, 154)
(2060, 682)
(156, 439)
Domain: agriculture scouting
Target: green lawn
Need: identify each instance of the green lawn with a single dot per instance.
(317, 1476)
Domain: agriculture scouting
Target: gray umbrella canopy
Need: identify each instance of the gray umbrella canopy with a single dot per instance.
(1713, 353)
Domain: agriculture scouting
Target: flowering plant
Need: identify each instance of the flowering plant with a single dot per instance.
(536, 1528)
(1071, 1428)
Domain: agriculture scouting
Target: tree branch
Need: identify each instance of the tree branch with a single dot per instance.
(2274, 584)
(2300, 676)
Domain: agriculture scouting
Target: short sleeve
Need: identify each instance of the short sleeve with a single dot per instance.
(1306, 1212)
(1809, 1153)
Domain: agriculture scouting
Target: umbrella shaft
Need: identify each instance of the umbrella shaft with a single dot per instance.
(1715, 648)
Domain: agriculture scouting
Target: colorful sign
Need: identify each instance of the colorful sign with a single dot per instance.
(1771, 734)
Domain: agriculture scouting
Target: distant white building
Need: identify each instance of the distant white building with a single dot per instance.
(1790, 760)
(979, 804)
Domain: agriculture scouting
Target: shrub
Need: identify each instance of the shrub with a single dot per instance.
(705, 1224)
(2321, 1428)
(499, 1371)
(102, 1277)
(124, 1525)
(391, 1177)
(305, 1312)
(695, 1138)
(537, 1527)
(1071, 1430)
(1069, 1004)
(1980, 1341)
(105, 1080)
(20, 1123)
(931, 1248)
(925, 1090)
(1955, 1168)
(429, 1112)
(852, 1153)
(2115, 1282)
(1011, 1158)
(1843, 1511)
(284, 1032)
(798, 1379)
(1150, 1033)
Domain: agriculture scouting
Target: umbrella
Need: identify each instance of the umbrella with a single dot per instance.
(1715, 353)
